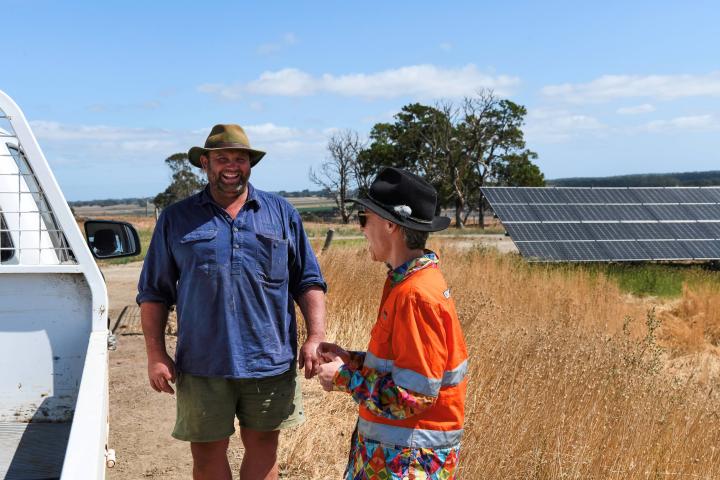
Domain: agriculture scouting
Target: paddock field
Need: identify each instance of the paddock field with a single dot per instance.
(573, 375)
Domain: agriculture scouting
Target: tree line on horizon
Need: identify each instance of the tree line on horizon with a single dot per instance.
(678, 179)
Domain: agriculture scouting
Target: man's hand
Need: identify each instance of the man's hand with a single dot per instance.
(312, 306)
(326, 374)
(308, 357)
(330, 352)
(161, 370)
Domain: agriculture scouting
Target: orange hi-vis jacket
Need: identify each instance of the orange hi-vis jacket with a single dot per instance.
(418, 339)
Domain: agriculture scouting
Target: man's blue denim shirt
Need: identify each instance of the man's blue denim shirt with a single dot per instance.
(233, 281)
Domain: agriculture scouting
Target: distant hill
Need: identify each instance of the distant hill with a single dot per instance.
(141, 202)
(684, 179)
(107, 202)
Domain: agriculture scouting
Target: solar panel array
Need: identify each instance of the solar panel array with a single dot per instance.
(563, 224)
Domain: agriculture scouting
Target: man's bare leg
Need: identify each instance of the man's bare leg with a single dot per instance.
(210, 460)
(260, 458)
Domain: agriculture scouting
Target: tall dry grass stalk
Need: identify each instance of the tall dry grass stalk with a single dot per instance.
(569, 378)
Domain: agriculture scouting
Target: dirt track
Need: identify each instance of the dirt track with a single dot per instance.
(140, 418)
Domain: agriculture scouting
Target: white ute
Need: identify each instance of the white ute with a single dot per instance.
(53, 319)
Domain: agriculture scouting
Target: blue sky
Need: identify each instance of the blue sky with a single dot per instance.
(113, 88)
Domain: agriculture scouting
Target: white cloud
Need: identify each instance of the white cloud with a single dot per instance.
(418, 81)
(286, 82)
(637, 109)
(610, 87)
(555, 126)
(271, 133)
(269, 48)
(698, 123)
(103, 161)
(90, 141)
(227, 93)
(55, 131)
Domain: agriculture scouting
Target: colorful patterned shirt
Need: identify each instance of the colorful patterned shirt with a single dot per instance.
(379, 393)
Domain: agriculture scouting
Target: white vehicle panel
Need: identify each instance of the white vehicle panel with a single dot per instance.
(53, 322)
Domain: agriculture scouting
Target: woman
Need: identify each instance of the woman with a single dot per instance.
(410, 383)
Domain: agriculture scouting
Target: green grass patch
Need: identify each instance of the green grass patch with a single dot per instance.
(663, 280)
(315, 209)
(471, 230)
(349, 242)
(319, 230)
(650, 279)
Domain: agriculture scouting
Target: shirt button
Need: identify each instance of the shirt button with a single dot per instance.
(236, 246)
(235, 229)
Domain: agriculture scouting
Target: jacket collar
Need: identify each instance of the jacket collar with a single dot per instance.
(429, 259)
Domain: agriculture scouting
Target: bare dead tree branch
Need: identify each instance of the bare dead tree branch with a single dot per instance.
(337, 173)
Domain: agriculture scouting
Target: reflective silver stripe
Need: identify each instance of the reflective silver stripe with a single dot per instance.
(416, 382)
(409, 437)
(455, 376)
(382, 365)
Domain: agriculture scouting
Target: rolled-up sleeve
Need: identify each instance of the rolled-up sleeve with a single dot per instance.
(158, 279)
(303, 264)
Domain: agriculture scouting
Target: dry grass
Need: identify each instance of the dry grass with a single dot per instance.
(569, 377)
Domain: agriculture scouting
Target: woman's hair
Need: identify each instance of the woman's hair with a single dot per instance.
(414, 239)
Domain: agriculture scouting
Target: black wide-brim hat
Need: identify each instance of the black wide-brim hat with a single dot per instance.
(222, 137)
(404, 199)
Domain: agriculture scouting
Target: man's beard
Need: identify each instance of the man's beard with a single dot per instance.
(238, 188)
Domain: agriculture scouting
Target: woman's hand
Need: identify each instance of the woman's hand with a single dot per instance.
(326, 373)
(331, 352)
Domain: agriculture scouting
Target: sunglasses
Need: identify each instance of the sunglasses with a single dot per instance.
(362, 218)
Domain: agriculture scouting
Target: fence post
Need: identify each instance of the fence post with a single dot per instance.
(328, 239)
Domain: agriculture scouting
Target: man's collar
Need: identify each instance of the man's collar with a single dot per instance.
(205, 197)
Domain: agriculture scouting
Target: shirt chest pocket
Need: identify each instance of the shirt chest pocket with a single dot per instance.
(381, 333)
(272, 259)
(199, 249)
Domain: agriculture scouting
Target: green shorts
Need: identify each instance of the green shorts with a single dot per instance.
(207, 406)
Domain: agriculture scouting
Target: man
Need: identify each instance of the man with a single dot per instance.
(233, 259)
(410, 383)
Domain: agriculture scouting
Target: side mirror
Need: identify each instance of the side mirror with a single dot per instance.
(110, 239)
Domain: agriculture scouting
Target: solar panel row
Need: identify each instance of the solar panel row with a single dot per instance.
(622, 250)
(606, 213)
(613, 231)
(566, 195)
(611, 224)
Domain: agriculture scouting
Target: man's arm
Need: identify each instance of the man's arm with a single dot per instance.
(161, 368)
(312, 305)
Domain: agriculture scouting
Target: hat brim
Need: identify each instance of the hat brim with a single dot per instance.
(195, 152)
(437, 224)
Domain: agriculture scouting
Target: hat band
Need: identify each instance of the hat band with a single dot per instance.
(229, 145)
(391, 209)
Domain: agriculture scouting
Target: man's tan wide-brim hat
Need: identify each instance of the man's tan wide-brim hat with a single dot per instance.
(222, 137)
